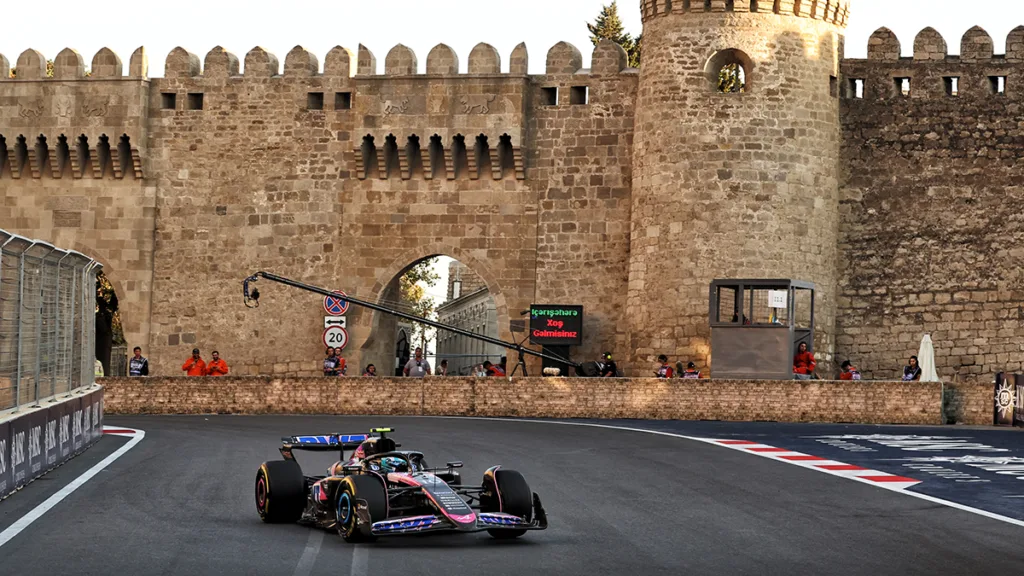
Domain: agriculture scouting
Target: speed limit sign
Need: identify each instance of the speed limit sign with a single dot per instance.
(336, 337)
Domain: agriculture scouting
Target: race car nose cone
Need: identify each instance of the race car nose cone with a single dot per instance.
(464, 519)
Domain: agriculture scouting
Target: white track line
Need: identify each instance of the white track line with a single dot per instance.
(37, 512)
(308, 559)
(897, 490)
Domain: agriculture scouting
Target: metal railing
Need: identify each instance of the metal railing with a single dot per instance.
(47, 321)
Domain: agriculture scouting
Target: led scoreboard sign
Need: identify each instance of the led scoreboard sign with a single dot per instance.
(553, 325)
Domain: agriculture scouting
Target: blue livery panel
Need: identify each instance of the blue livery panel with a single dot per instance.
(329, 439)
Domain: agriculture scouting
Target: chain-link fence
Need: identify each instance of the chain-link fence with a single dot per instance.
(47, 321)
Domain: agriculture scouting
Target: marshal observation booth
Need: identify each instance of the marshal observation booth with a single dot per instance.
(757, 325)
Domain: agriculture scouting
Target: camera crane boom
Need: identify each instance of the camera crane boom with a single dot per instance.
(252, 301)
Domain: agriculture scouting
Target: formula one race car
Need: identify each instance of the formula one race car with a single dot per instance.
(381, 491)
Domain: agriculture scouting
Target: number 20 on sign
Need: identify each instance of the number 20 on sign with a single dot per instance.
(336, 337)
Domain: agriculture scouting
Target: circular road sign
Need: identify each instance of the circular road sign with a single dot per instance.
(336, 337)
(335, 304)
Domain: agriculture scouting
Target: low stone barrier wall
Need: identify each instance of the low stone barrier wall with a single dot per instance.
(737, 400)
(970, 403)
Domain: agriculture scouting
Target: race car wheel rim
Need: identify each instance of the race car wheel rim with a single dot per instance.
(344, 509)
(261, 493)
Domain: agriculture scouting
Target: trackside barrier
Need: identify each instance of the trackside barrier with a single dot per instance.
(34, 441)
(47, 322)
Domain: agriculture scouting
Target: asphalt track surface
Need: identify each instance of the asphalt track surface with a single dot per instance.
(619, 502)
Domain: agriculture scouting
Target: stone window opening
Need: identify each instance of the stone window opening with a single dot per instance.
(902, 86)
(753, 6)
(855, 88)
(506, 161)
(82, 152)
(997, 84)
(952, 84)
(21, 153)
(342, 100)
(728, 71)
(436, 151)
(124, 155)
(315, 101)
(579, 95)
(103, 154)
(168, 100)
(195, 101)
(413, 157)
(369, 153)
(549, 96)
(460, 159)
(3, 154)
(42, 155)
(482, 152)
(390, 156)
(833, 86)
(63, 154)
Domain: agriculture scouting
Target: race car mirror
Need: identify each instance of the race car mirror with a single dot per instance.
(456, 464)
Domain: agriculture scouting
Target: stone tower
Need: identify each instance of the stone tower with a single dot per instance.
(734, 184)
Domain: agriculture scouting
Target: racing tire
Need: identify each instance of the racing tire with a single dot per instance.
(507, 491)
(353, 489)
(280, 492)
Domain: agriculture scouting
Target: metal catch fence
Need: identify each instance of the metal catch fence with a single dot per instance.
(47, 321)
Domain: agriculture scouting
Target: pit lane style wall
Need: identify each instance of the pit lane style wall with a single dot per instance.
(37, 440)
(646, 398)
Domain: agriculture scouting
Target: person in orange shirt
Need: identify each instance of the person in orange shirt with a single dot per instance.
(194, 366)
(849, 372)
(217, 367)
(803, 363)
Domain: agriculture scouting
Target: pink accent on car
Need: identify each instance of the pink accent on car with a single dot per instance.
(463, 518)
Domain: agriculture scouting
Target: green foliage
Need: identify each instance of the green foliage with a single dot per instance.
(49, 70)
(731, 79)
(413, 292)
(106, 305)
(608, 26)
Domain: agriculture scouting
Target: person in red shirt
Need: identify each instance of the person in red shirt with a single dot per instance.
(664, 371)
(803, 363)
(217, 367)
(194, 366)
(849, 372)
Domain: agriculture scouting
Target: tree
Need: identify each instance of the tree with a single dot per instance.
(731, 78)
(413, 293)
(608, 26)
(49, 70)
(109, 331)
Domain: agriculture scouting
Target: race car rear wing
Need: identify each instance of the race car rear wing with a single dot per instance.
(327, 442)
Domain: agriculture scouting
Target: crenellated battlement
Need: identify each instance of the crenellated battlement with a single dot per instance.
(832, 11)
(340, 62)
(932, 72)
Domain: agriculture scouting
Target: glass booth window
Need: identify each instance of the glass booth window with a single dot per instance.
(726, 304)
(802, 306)
(768, 305)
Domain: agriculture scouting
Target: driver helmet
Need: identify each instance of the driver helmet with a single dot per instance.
(393, 464)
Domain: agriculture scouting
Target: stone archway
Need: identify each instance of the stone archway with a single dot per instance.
(380, 330)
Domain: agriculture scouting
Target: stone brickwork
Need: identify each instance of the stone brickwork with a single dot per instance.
(623, 190)
(931, 233)
(734, 400)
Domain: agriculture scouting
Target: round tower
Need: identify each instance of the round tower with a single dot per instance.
(735, 166)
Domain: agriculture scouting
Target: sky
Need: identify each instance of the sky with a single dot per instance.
(198, 26)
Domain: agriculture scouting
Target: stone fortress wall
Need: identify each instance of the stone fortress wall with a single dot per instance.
(622, 190)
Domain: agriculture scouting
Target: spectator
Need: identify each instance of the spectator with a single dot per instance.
(370, 371)
(691, 372)
(663, 371)
(803, 363)
(194, 366)
(496, 370)
(503, 365)
(217, 367)
(417, 367)
(608, 367)
(480, 370)
(912, 372)
(331, 362)
(442, 369)
(138, 365)
(849, 372)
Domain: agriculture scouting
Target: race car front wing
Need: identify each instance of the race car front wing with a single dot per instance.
(439, 523)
